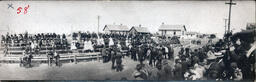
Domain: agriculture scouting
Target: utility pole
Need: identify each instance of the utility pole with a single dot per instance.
(98, 24)
(229, 15)
(225, 26)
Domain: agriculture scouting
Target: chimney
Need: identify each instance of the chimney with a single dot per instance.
(162, 23)
(121, 24)
(140, 25)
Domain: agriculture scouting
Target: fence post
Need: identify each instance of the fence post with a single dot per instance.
(98, 58)
(75, 59)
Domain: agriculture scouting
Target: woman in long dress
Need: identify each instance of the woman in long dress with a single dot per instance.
(100, 41)
(88, 45)
(73, 45)
(111, 42)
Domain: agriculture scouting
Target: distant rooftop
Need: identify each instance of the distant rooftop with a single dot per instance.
(172, 27)
(116, 27)
(140, 29)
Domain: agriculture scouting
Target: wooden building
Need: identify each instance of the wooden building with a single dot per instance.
(172, 30)
(121, 29)
(191, 35)
(139, 30)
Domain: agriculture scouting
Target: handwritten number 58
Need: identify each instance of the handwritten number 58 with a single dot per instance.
(20, 9)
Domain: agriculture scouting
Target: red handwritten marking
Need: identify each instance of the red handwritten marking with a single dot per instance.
(26, 9)
(19, 10)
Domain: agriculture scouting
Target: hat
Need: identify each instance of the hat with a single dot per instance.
(223, 51)
(211, 57)
(137, 74)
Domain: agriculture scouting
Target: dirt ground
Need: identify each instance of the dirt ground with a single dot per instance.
(92, 70)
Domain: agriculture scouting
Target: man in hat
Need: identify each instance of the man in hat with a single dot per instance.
(210, 55)
(236, 72)
(57, 57)
(159, 57)
(30, 56)
(194, 57)
(50, 56)
(104, 54)
(167, 72)
(108, 52)
(118, 61)
(113, 57)
(170, 52)
(181, 52)
(178, 70)
(150, 53)
(133, 53)
(153, 56)
(201, 54)
(140, 55)
(246, 65)
(139, 74)
(163, 49)
(187, 52)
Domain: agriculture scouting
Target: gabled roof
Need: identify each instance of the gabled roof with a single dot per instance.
(172, 27)
(116, 27)
(140, 29)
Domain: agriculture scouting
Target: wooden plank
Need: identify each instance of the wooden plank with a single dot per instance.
(17, 60)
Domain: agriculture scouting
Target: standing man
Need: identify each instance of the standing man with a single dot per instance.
(181, 52)
(118, 61)
(133, 53)
(153, 56)
(170, 52)
(187, 52)
(140, 55)
(104, 53)
(113, 57)
(163, 48)
(149, 55)
(30, 59)
(50, 57)
(159, 57)
(57, 58)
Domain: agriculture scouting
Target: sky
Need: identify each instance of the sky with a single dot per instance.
(70, 16)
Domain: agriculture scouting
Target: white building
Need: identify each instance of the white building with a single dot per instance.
(172, 30)
(191, 35)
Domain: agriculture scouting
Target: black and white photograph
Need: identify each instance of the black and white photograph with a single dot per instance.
(106, 40)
